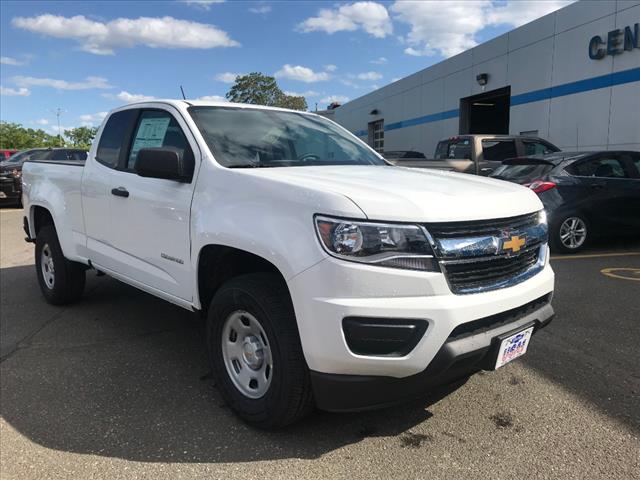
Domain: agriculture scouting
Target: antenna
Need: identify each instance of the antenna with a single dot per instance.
(183, 95)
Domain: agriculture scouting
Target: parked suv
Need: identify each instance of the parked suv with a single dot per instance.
(585, 194)
(11, 169)
(328, 277)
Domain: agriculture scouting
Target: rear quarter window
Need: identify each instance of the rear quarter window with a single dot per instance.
(113, 137)
(635, 159)
(535, 147)
(498, 149)
(457, 148)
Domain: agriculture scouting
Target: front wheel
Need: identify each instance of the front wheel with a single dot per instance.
(255, 351)
(569, 233)
(61, 280)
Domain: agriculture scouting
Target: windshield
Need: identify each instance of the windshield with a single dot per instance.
(522, 173)
(249, 137)
(25, 155)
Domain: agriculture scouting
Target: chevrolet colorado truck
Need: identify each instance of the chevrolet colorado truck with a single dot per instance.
(328, 278)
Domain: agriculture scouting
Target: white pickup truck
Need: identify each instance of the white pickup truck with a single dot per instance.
(327, 277)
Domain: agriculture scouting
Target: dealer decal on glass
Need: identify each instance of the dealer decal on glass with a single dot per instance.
(513, 347)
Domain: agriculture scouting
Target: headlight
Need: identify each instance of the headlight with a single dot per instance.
(388, 245)
(16, 173)
(542, 217)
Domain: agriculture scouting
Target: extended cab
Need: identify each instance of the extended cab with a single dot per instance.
(479, 154)
(327, 277)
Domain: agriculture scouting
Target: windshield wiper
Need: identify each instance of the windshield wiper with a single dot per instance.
(251, 165)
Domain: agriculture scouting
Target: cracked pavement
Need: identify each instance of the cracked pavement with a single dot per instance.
(116, 386)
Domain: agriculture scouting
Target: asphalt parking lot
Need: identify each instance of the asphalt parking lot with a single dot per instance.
(116, 386)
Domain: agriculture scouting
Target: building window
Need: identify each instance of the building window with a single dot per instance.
(376, 135)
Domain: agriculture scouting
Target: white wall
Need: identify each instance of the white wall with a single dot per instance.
(547, 52)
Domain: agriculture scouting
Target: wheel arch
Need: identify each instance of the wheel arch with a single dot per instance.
(220, 263)
(39, 216)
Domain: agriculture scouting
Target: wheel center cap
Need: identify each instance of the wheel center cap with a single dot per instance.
(252, 352)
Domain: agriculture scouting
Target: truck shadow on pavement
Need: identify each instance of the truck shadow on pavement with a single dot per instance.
(591, 348)
(123, 374)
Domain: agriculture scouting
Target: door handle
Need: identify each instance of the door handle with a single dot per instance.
(120, 192)
(597, 186)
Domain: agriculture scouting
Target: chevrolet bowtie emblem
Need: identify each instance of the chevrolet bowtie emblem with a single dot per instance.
(515, 243)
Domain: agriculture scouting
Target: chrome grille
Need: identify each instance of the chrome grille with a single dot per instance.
(474, 257)
(481, 227)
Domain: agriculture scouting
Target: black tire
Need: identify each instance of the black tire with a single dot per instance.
(555, 241)
(68, 277)
(289, 395)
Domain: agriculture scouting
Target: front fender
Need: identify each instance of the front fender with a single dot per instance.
(270, 219)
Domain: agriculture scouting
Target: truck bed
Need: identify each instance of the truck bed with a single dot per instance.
(56, 185)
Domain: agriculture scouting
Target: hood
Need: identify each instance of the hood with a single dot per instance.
(7, 166)
(416, 195)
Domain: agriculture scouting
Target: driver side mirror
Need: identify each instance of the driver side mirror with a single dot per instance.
(160, 163)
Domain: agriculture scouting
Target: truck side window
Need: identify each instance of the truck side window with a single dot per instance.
(59, 155)
(498, 149)
(532, 147)
(635, 158)
(113, 136)
(156, 129)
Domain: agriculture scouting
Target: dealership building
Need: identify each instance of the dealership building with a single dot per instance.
(572, 77)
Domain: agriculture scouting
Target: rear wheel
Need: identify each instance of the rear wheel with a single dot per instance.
(569, 233)
(61, 280)
(255, 351)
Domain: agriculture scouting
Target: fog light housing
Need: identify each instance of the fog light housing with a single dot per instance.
(383, 337)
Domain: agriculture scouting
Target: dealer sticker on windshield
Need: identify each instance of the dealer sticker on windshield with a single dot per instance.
(513, 347)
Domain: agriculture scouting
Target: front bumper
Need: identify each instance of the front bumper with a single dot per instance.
(332, 290)
(10, 189)
(466, 351)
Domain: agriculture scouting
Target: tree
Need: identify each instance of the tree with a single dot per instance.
(292, 102)
(254, 88)
(81, 137)
(15, 136)
(259, 89)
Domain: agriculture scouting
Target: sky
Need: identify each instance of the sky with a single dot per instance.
(85, 58)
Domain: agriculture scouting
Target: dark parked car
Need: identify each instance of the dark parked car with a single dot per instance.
(585, 194)
(11, 169)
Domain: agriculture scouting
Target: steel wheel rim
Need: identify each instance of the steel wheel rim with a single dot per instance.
(246, 354)
(573, 232)
(47, 267)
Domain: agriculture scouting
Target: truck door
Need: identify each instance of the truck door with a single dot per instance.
(96, 186)
(150, 217)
